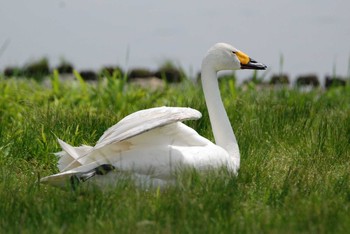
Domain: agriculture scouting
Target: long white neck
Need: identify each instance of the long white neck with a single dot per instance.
(219, 120)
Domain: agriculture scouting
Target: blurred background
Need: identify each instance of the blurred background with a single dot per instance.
(290, 36)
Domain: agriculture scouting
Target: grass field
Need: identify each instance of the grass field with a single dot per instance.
(294, 176)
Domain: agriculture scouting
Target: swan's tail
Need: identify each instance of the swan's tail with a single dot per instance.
(79, 164)
(74, 177)
(70, 155)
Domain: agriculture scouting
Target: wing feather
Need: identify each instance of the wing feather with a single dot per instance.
(145, 120)
(138, 123)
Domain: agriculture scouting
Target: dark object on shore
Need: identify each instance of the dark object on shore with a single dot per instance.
(139, 73)
(308, 80)
(65, 68)
(110, 71)
(37, 69)
(334, 82)
(281, 79)
(13, 72)
(88, 75)
(171, 75)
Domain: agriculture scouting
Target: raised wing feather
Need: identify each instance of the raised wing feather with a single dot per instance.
(136, 124)
(145, 120)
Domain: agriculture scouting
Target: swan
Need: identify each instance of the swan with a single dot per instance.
(150, 145)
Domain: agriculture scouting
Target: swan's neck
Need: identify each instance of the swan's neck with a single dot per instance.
(219, 120)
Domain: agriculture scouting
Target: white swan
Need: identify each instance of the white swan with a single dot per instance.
(151, 144)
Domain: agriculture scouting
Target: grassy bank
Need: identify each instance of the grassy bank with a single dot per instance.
(294, 176)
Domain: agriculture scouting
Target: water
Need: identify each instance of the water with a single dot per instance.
(311, 36)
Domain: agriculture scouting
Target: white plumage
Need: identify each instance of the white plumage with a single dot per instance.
(150, 145)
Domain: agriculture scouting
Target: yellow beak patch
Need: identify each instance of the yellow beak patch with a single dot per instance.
(243, 58)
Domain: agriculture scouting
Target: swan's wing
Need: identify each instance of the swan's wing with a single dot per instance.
(143, 121)
(136, 124)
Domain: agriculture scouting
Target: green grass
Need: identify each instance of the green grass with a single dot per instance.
(294, 176)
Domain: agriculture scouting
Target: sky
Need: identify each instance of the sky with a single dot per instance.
(312, 36)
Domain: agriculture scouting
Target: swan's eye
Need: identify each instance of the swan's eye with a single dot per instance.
(233, 52)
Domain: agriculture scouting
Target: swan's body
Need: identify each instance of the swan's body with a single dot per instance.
(150, 145)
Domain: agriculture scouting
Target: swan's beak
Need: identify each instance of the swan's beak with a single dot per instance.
(249, 63)
(254, 65)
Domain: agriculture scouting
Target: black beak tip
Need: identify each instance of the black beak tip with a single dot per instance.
(252, 60)
(254, 65)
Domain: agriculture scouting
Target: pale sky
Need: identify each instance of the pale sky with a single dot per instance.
(312, 35)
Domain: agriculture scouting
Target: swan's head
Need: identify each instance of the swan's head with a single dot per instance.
(223, 56)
